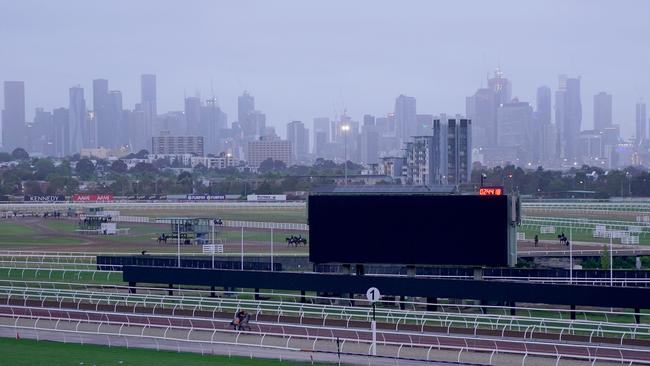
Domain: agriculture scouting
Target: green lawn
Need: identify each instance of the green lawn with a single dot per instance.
(12, 234)
(576, 235)
(244, 214)
(26, 352)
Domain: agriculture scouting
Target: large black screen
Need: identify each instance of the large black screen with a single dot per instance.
(408, 229)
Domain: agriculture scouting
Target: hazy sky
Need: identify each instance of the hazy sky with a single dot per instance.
(302, 59)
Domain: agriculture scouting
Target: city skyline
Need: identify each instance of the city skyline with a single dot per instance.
(306, 78)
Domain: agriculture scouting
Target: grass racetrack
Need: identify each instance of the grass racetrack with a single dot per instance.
(27, 352)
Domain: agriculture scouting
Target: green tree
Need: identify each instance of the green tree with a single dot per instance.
(5, 156)
(604, 258)
(19, 154)
(85, 168)
(32, 187)
(119, 166)
(43, 168)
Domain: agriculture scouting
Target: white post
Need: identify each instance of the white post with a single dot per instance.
(178, 241)
(213, 243)
(611, 261)
(570, 255)
(271, 248)
(242, 248)
(373, 328)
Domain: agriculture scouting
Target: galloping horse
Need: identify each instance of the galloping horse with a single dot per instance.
(162, 238)
(296, 240)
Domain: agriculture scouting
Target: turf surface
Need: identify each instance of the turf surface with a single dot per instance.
(25, 352)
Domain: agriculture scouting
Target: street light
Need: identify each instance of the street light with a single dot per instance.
(345, 128)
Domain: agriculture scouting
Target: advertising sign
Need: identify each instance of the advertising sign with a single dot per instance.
(92, 198)
(44, 198)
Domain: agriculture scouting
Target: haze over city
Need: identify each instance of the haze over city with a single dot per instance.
(308, 59)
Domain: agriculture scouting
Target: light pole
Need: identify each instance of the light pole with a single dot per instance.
(178, 241)
(345, 128)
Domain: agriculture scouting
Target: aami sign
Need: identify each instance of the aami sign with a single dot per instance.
(92, 198)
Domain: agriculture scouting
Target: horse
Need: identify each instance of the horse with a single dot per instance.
(162, 239)
(296, 240)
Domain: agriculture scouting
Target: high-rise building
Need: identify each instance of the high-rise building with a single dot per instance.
(641, 120)
(13, 116)
(106, 128)
(425, 124)
(39, 133)
(268, 147)
(602, 111)
(368, 120)
(115, 116)
(515, 127)
(453, 150)
(76, 120)
(148, 105)
(369, 145)
(177, 145)
(321, 130)
(481, 108)
(568, 117)
(443, 158)
(299, 137)
(213, 124)
(543, 133)
(405, 116)
(501, 87)
(420, 162)
(61, 139)
(245, 108)
(193, 116)
(148, 94)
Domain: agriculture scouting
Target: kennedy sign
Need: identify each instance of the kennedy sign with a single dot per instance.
(45, 198)
(92, 198)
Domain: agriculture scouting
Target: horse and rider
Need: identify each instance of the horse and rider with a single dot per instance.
(241, 321)
(563, 239)
(162, 238)
(296, 240)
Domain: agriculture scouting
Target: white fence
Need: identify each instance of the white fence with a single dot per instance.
(547, 229)
(213, 248)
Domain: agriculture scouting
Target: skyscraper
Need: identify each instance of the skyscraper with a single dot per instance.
(76, 120)
(245, 108)
(115, 117)
(213, 123)
(602, 111)
(148, 93)
(13, 116)
(443, 158)
(321, 130)
(405, 116)
(515, 122)
(543, 134)
(106, 129)
(148, 105)
(641, 134)
(568, 116)
(193, 116)
(369, 144)
(61, 140)
(481, 108)
(501, 87)
(299, 137)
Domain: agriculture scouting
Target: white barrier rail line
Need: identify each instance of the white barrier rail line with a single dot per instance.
(357, 338)
(295, 301)
(157, 339)
(513, 323)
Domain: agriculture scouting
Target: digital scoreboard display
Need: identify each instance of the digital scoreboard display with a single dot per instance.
(410, 229)
(490, 191)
